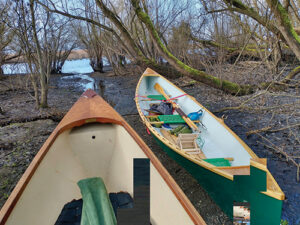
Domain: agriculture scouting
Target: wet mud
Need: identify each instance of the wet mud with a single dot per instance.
(20, 140)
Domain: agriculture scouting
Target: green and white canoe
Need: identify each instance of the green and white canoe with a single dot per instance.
(223, 164)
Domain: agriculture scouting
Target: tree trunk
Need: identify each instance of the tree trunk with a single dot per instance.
(96, 57)
(97, 65)
(44, 93)
(285, 26)
(36, 90)
(133, 48)
(1, 73)
(201, 76)
(41, 63)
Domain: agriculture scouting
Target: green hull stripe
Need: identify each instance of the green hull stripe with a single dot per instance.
(263, 209)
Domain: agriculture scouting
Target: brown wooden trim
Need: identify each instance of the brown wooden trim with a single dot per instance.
(85, 110)
(233, 167)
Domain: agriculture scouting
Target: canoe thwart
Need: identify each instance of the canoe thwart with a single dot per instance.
(162, 122)
(171, 118)
(156, 97)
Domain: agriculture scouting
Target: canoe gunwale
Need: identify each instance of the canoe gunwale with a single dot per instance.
(253, 162)
(68, 123)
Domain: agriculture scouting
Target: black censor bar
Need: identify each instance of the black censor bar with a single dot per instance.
(140, 213)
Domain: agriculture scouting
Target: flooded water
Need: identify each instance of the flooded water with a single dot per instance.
(70, 66)
(15, 68)
(77, 66)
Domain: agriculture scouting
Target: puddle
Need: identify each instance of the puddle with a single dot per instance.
(81, 81)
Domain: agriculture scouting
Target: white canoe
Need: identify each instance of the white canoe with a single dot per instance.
(92, 140)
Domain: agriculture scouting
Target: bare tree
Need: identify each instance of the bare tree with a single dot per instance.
(281, 24)
(213, 81)
(148, 42)
(62, 41)
(129, 37)
(6, 35)
(43, 44)
(91, 38)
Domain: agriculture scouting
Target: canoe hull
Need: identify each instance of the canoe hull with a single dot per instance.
(264, 209)
(92, 140)
(246, 180)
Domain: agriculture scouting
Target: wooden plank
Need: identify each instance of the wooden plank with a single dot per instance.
(168, 136)
(229, 159)
(162, 122)
(242, 170)
(200, 156)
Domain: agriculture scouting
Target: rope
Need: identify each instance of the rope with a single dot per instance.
(179, 96)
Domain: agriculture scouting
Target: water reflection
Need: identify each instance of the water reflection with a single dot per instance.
(81, 81)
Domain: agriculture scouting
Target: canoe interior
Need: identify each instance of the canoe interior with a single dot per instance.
(91, 150)
(218, 141)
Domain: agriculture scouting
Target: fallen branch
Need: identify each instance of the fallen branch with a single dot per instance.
(280, 151)
(56, 117)
(264, 129)
(291, 75)
(242, 105)
(6, 154)
(287, 127)
(283, 153)
(268, 129)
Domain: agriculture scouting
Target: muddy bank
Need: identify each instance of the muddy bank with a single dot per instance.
(19, 143)
(119, 91)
